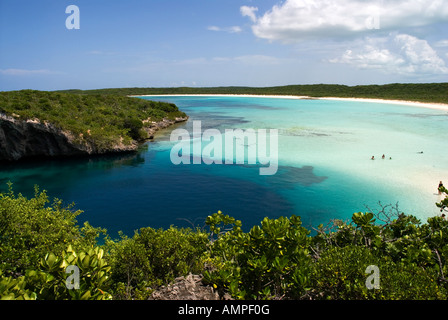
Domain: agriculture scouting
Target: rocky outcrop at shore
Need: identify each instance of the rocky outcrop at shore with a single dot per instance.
(21, 139)
(154, 126)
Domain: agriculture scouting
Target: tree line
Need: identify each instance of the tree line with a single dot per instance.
(423, 92)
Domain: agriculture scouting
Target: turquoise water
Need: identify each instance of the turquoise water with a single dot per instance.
(324, 172)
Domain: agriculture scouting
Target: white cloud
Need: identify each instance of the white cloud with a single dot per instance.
(295, 20)
(233, 29)
(442, 43)
(214, 28)
(371, 58)
(25, 72)
(249, 12)
(399, 54)
(420, 54)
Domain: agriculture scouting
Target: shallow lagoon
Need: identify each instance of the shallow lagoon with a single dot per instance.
(325, 167)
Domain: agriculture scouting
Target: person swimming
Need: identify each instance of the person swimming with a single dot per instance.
(373, 158)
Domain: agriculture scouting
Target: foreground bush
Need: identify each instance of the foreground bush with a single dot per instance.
(382, 255)
(51, 281)
(154, 257)
(29, 229)
(279, 260)
(340, 273)
(270, 261)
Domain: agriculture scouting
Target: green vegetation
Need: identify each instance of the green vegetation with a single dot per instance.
(152, 258)
(443, 205)
(424, 92)
(37, 243)
(102, 120)
(278, 259)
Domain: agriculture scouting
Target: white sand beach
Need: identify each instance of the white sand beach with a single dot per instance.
(439, 106)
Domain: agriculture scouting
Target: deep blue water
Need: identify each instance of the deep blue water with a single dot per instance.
(132, 191)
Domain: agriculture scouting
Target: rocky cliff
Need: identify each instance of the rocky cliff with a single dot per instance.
(20, 139)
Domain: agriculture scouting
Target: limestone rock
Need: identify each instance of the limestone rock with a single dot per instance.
(21, 139)
(186, 288)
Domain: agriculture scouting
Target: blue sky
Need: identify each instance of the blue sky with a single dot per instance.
(170, 43)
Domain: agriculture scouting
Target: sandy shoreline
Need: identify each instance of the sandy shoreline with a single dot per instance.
(225, 95)
(438, 106)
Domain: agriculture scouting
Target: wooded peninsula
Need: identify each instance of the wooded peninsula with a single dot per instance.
(422, 92)
(41, 123)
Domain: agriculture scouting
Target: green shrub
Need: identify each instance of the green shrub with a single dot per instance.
(29, 229)
(270, 261)
(154, 257)
(15, 289)
(339, 273)
(52, 281)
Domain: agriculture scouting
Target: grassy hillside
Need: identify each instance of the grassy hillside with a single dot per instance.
(424, 92)
(102, 119)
